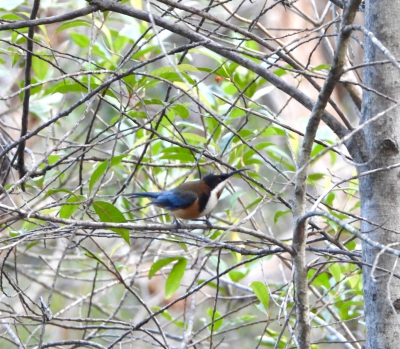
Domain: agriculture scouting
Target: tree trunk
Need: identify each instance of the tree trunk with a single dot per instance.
(380, 192)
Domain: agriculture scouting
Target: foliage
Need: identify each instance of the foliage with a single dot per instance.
(121, 104)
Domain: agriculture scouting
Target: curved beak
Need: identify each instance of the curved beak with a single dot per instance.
(229, 174)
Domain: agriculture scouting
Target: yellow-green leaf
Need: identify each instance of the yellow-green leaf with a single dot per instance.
(174, 277)
(69, 208)
(109, 213)
(261, 292)
(99, 171)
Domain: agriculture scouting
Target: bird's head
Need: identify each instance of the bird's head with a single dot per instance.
(219, 181)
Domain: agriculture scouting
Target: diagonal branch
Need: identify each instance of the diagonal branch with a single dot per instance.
(27, 94)
(299, 206)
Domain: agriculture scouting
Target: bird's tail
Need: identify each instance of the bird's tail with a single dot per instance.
(143, 195)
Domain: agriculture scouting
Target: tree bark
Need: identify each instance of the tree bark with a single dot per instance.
(380, 193)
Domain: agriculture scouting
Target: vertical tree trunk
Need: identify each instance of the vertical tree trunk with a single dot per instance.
(380, 193)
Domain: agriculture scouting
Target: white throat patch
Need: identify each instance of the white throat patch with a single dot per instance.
(212, 201)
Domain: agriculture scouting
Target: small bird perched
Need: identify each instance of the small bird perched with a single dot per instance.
(191, 200)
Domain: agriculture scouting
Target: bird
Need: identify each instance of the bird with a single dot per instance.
(191, 200)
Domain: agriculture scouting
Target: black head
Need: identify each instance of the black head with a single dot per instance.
(212, 180)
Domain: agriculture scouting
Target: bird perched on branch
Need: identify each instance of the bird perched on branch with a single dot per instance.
(191, 200)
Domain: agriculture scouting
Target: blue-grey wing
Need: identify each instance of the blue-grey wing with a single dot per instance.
(173, 200)
(144, 195)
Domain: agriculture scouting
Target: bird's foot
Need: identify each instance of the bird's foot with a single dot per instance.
(177, 223)
(209, 225)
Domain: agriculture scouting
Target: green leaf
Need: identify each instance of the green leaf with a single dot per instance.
(29, 225)
(12, 16)
(232, 67)
(281, 157)
(149, 102)
(180, 324)
(80, 39)
(52, 159)
(261, 308)
(169, 69)
(263, 145)
(334, 269)
(67, 211)
(252, 45)
(30, 245)
(35, 89)
(161, 263)
(165, 313)
(270, 340)
(329, 198)
(321, 280)
(194, 138)
(109, 213)
(218, 263)
(181, 110)
(317, 148)
(176, 150)
(247, 318)
(61, 190)
(315, 176)
(40, 67)
(219, 72)
(174, 278)
(68, 86)
(354, 281)
(356, 205)
(71, 24)
(119, 41)
(155, 49)
(236, 112)
(237, 275)
(184, 158)
(130, 80)
(234, 199)
(273, 131)
(133, 114)
(246, 134)
(91, 255)
(168, 316)
(348, 309)
(261, 292)
(214, 315)
(351, 245)
(116, 248)
(99, 171)
(322, 67)
(120, 266)
(97, 174)
(280, 72)
(280, 214)
(169, 76)
(211, 284)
